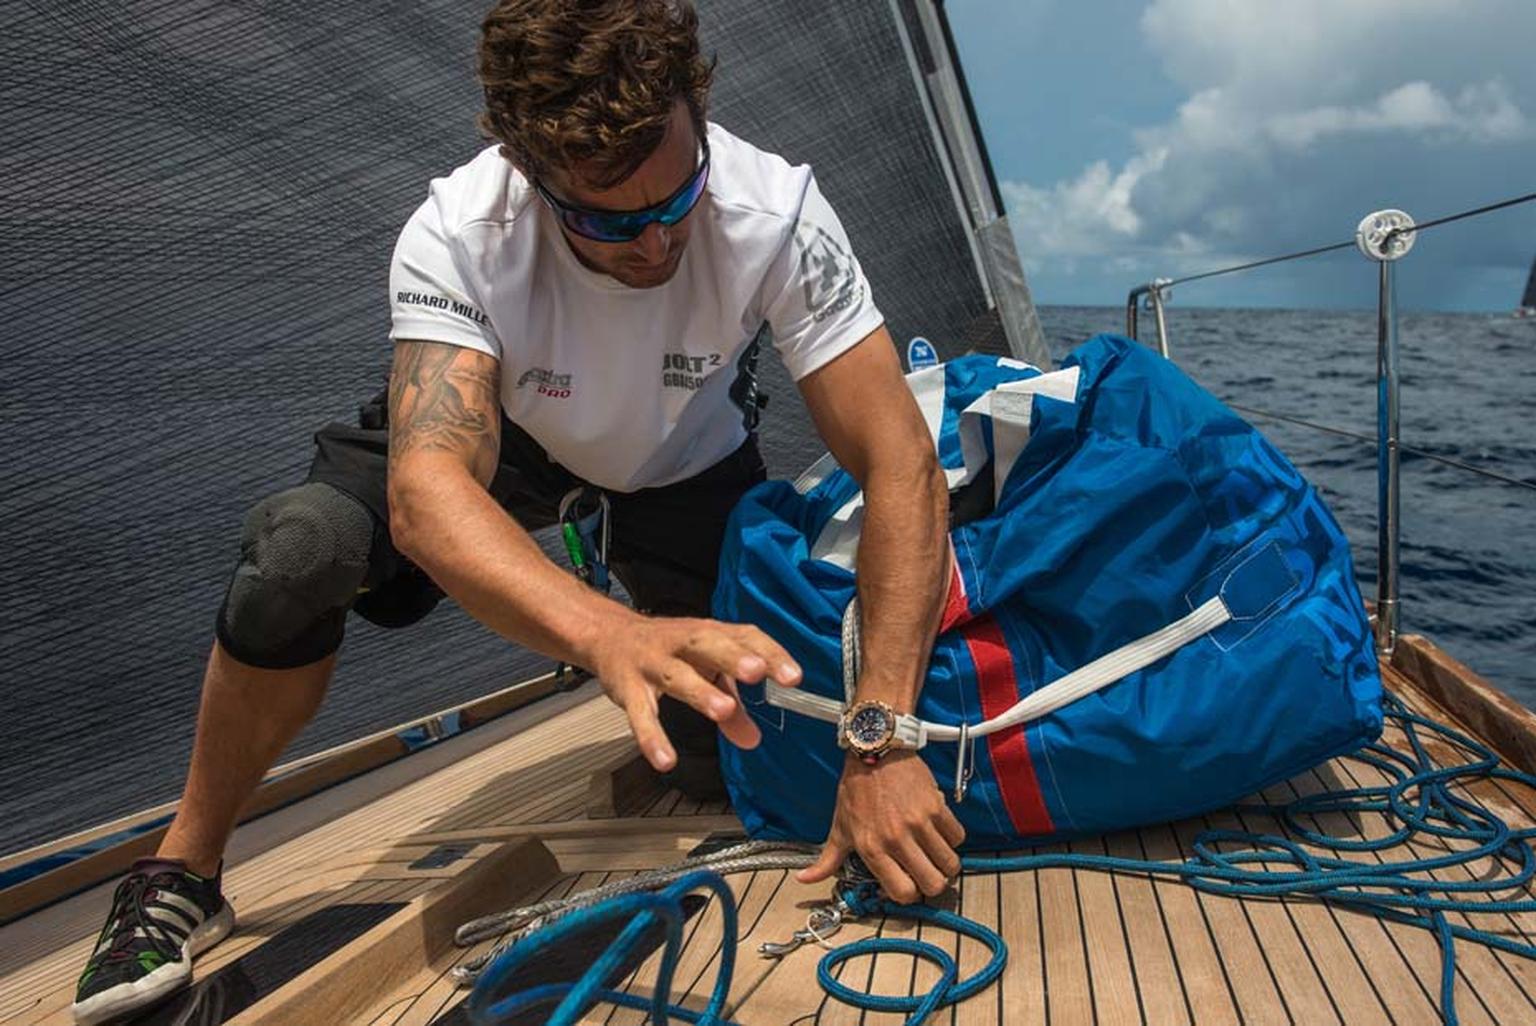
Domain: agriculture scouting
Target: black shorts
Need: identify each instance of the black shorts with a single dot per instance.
(665, 542)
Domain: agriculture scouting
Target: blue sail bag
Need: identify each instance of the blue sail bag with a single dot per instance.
(1151, 613)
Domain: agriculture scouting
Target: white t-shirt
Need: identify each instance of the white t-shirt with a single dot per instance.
(630, 388)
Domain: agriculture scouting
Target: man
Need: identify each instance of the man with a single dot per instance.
(571, 309)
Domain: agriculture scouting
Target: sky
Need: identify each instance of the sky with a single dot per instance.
(1141, 138)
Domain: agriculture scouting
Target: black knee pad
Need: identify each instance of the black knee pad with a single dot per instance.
(303, 554)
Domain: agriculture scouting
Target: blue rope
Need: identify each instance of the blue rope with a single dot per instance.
(864, 901)
(643, 910)
(1420, 797)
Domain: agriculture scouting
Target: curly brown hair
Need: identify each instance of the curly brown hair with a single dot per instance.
(588, 85)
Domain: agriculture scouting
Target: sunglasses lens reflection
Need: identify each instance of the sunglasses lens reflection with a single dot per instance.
(601, 226)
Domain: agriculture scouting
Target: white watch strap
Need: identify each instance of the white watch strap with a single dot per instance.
(911, 732)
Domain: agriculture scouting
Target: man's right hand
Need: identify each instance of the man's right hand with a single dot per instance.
(697, 662)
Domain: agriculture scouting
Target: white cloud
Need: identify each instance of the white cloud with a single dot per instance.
(1318, 49)
(1088, 214)
(1482, 112)
(1301, 117)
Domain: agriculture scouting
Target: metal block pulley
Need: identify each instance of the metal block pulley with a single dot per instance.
(1385, 235)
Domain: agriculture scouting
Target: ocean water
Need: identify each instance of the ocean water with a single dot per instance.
(1468, 556)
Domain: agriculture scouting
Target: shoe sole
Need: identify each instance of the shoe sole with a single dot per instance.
(160, 984)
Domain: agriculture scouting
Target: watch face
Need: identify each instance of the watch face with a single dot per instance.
(869, 727)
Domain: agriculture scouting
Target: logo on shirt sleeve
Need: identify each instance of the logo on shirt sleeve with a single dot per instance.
(556, 386)
(827, 273)
(443, 303)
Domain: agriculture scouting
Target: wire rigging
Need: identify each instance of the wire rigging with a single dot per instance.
(1360, 436)
(1437, 222)
(1348, 243)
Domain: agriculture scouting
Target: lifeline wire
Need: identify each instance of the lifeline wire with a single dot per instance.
(1420, 798)
(1437, 222)
(1361, 437)
(1349, 243)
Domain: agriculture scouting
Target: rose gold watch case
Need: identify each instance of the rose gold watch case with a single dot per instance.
(864, 751)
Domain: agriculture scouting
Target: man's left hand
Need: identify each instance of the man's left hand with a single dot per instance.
(894, 815)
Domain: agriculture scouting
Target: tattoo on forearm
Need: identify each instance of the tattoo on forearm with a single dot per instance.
(440, 398)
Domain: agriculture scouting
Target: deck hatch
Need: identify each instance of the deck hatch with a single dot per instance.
(442, 855)
(252, 977)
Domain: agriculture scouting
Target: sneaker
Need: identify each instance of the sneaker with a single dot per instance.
(162, 916)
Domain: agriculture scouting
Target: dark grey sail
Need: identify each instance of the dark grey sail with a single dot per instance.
(198, 203)
(1528, 300)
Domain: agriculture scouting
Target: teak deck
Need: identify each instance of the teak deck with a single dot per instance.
(515, 812)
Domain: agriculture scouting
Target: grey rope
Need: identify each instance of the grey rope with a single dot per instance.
(751, 856)
(1371, 439)
(852, 648)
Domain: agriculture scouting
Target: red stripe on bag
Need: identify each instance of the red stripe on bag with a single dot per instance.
(1009, 749)
(957, 607)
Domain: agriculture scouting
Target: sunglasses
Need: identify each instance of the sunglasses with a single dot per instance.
(626, 225)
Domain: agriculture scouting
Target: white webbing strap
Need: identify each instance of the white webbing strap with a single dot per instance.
(1085, 680)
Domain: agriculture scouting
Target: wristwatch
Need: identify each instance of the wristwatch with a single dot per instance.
(871, 728)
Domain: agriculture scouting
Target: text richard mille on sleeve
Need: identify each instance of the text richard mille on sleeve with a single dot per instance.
(428, 298)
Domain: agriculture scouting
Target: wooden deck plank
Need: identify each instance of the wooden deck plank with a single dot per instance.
(434, 991)
(701, 944)
(1022, 984)
(53, 1008)
(1517, 805)
(1418, 948)
(1301, 987)
(595, 853)
(1154, 973)
(755, 893)
(1509, 804)
(1253, 980)
(1115, 996)
(1069, 995)
(1392, 988)
(51, 999)
(527, 790)
(343, 985)
(888, 974)
(1333, 956)
(1207, 992)
(778, 990)
(65, 930)
(554, 830)
(664, 804)
(1484, 980)
(979, 901)
(924, 975)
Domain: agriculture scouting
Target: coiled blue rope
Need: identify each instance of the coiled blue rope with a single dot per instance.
(864, 901)
(643, 911)
(1420, 796)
